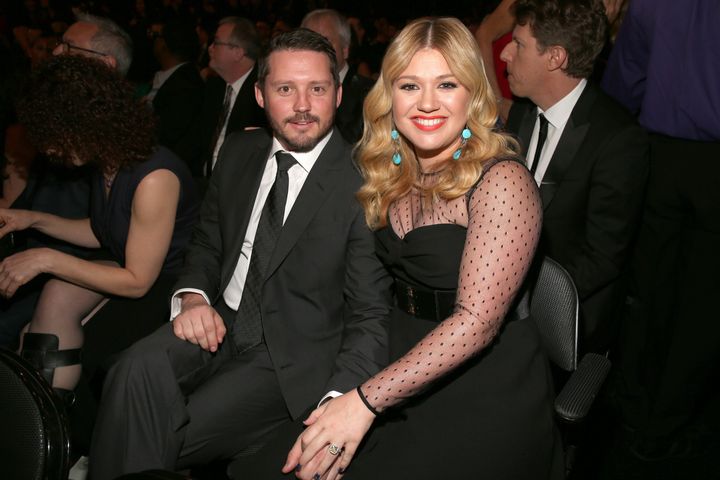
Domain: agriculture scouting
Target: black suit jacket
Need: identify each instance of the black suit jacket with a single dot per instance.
(246, 112)
(176, 105)
(592, 195)
(326, 296)
(349, 117)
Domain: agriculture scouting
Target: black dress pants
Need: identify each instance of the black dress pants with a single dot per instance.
(168, 404)
(671, 349)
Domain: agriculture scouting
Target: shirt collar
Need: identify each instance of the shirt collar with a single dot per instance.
(237, 84)
(559, 114)
(343, 72)
(305, 159)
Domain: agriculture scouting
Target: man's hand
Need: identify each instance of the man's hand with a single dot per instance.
(199, 323)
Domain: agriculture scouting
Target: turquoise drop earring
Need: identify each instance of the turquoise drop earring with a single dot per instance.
(465, 134)
(395, 136)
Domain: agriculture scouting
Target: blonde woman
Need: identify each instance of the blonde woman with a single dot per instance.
(457, 218)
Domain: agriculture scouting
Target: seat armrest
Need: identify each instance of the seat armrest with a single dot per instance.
(577, 396)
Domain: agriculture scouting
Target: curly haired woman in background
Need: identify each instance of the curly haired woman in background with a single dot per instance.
(143, 206)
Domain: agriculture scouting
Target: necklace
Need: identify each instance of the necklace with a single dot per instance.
(431, 174)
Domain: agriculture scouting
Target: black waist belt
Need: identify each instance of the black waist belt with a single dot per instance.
(434, 305)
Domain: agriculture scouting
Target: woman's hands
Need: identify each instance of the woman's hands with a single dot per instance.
(17, 270)
(14, 220)
(337, 425)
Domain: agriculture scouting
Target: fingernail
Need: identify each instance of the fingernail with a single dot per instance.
(341, 470)
(298, 467)
(316, 476)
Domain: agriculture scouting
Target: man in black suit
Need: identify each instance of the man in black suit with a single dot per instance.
(177, 88)
(303, 303)
(587, 154)
(229, 103)
(333, 26)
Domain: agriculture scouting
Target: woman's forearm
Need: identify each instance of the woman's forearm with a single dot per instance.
(75, 231)
(102, 277)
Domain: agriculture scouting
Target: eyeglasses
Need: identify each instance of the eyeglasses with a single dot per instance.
(218, 43)
(65, 47)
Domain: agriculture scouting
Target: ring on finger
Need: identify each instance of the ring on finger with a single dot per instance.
(334, 449)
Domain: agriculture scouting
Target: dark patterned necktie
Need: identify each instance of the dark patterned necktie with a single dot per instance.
(542, 135)
(222, 120)
(247, 328)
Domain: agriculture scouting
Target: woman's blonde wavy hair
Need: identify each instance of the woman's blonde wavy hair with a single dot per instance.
(385, 182)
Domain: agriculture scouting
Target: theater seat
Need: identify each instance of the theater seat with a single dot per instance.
(35, 441)
(554, 306)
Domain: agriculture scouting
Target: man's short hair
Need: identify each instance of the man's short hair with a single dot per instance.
(579, 26)
(341, 24)
(296, 40)
(243, 34)
(181, 39)
(110, 39)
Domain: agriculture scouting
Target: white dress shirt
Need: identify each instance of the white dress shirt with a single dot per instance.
(343, 73)
(297, 174)
(236, 86)
(557, 117)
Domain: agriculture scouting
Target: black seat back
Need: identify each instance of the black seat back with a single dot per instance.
(35, 443)
(554, 306)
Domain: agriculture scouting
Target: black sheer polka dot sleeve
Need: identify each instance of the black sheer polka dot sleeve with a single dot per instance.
(504, 222)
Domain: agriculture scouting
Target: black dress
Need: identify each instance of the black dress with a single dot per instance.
(470, 395)
(122, 321)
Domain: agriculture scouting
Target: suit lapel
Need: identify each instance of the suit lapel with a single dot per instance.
(572, 138)
(244, 103)
(321, 181)
(237, 205)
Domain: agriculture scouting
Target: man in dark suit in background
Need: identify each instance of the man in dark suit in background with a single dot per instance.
(229, 104)
(177, 88)
(304, 300)
(333, 26)
(587, 154)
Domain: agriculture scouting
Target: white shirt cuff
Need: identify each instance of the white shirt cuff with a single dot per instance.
(176, 301)
(331, 394)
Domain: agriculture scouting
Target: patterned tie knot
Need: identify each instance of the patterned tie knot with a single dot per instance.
(284, 161)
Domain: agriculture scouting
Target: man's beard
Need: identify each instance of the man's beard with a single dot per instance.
(305, 142)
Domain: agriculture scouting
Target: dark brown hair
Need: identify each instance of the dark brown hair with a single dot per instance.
(78, 106)
(295, 40)
(579, 26)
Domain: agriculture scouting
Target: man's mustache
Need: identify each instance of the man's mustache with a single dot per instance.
(302, 117)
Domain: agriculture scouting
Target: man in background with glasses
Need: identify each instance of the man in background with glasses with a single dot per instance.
(99, 38)
(229, 103)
